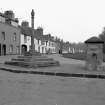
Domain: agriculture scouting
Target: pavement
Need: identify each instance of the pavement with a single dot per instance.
(30, 89)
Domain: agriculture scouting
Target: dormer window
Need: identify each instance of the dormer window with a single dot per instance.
(13, 23)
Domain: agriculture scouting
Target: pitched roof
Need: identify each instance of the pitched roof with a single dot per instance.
(28, 32)
(94, 40)
(3, 15)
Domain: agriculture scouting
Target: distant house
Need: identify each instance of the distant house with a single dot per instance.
(25, 39)
(50, 45)
(9, 34)
(43, 43)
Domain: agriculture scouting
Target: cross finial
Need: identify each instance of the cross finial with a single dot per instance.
(32, 13)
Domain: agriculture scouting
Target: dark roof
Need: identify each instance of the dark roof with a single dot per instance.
(15, 19)
(48, 37)
(94, 40)
(28, 32)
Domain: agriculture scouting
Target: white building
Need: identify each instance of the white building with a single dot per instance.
(43, 43)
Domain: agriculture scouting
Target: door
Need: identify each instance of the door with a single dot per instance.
(3, 49)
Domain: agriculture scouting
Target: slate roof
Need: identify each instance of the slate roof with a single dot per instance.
(3, 15)
(48, 37)
(28, 32)
(94, 40)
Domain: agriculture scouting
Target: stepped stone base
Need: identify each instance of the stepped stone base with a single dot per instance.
(33, 61)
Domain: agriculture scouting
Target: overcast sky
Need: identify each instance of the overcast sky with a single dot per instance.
(71, 20)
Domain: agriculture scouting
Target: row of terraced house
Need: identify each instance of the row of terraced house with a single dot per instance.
(43, 43)
(16, 39)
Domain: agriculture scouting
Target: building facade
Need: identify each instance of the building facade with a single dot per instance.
(43, 43)
(50, 44)
(9, 34)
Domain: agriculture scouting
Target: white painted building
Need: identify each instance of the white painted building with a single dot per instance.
(25, 42)
(43, 43)
(41, 46)
(51, 46)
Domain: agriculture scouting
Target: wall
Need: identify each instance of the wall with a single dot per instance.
(28, 41)
(94, 56)
(9, 34)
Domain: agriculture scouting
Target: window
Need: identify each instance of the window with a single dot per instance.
(38, 41)
(49, 44)
(42, 42)
(11, 48)
(45, 49)
(38, 49)
(25, 39)
(53, 44)
(3, 35)
(46, 43)
(14, 36)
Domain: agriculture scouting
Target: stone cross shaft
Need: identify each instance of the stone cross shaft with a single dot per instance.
(32, 36)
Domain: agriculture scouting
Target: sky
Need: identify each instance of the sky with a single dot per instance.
(70, 20)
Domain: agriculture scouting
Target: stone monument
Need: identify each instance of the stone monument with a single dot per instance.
(33, 59)
(94, 54)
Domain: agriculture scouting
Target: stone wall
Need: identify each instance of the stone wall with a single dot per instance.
(94, 58)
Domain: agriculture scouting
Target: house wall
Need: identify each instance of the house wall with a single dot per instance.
(2, 19)
(51, 47)
(26, 41)
(9, 31)
(40, 46)
(94, 57)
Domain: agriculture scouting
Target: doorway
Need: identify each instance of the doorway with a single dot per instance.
(94, 61)
(24, 49)
(3, 49)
